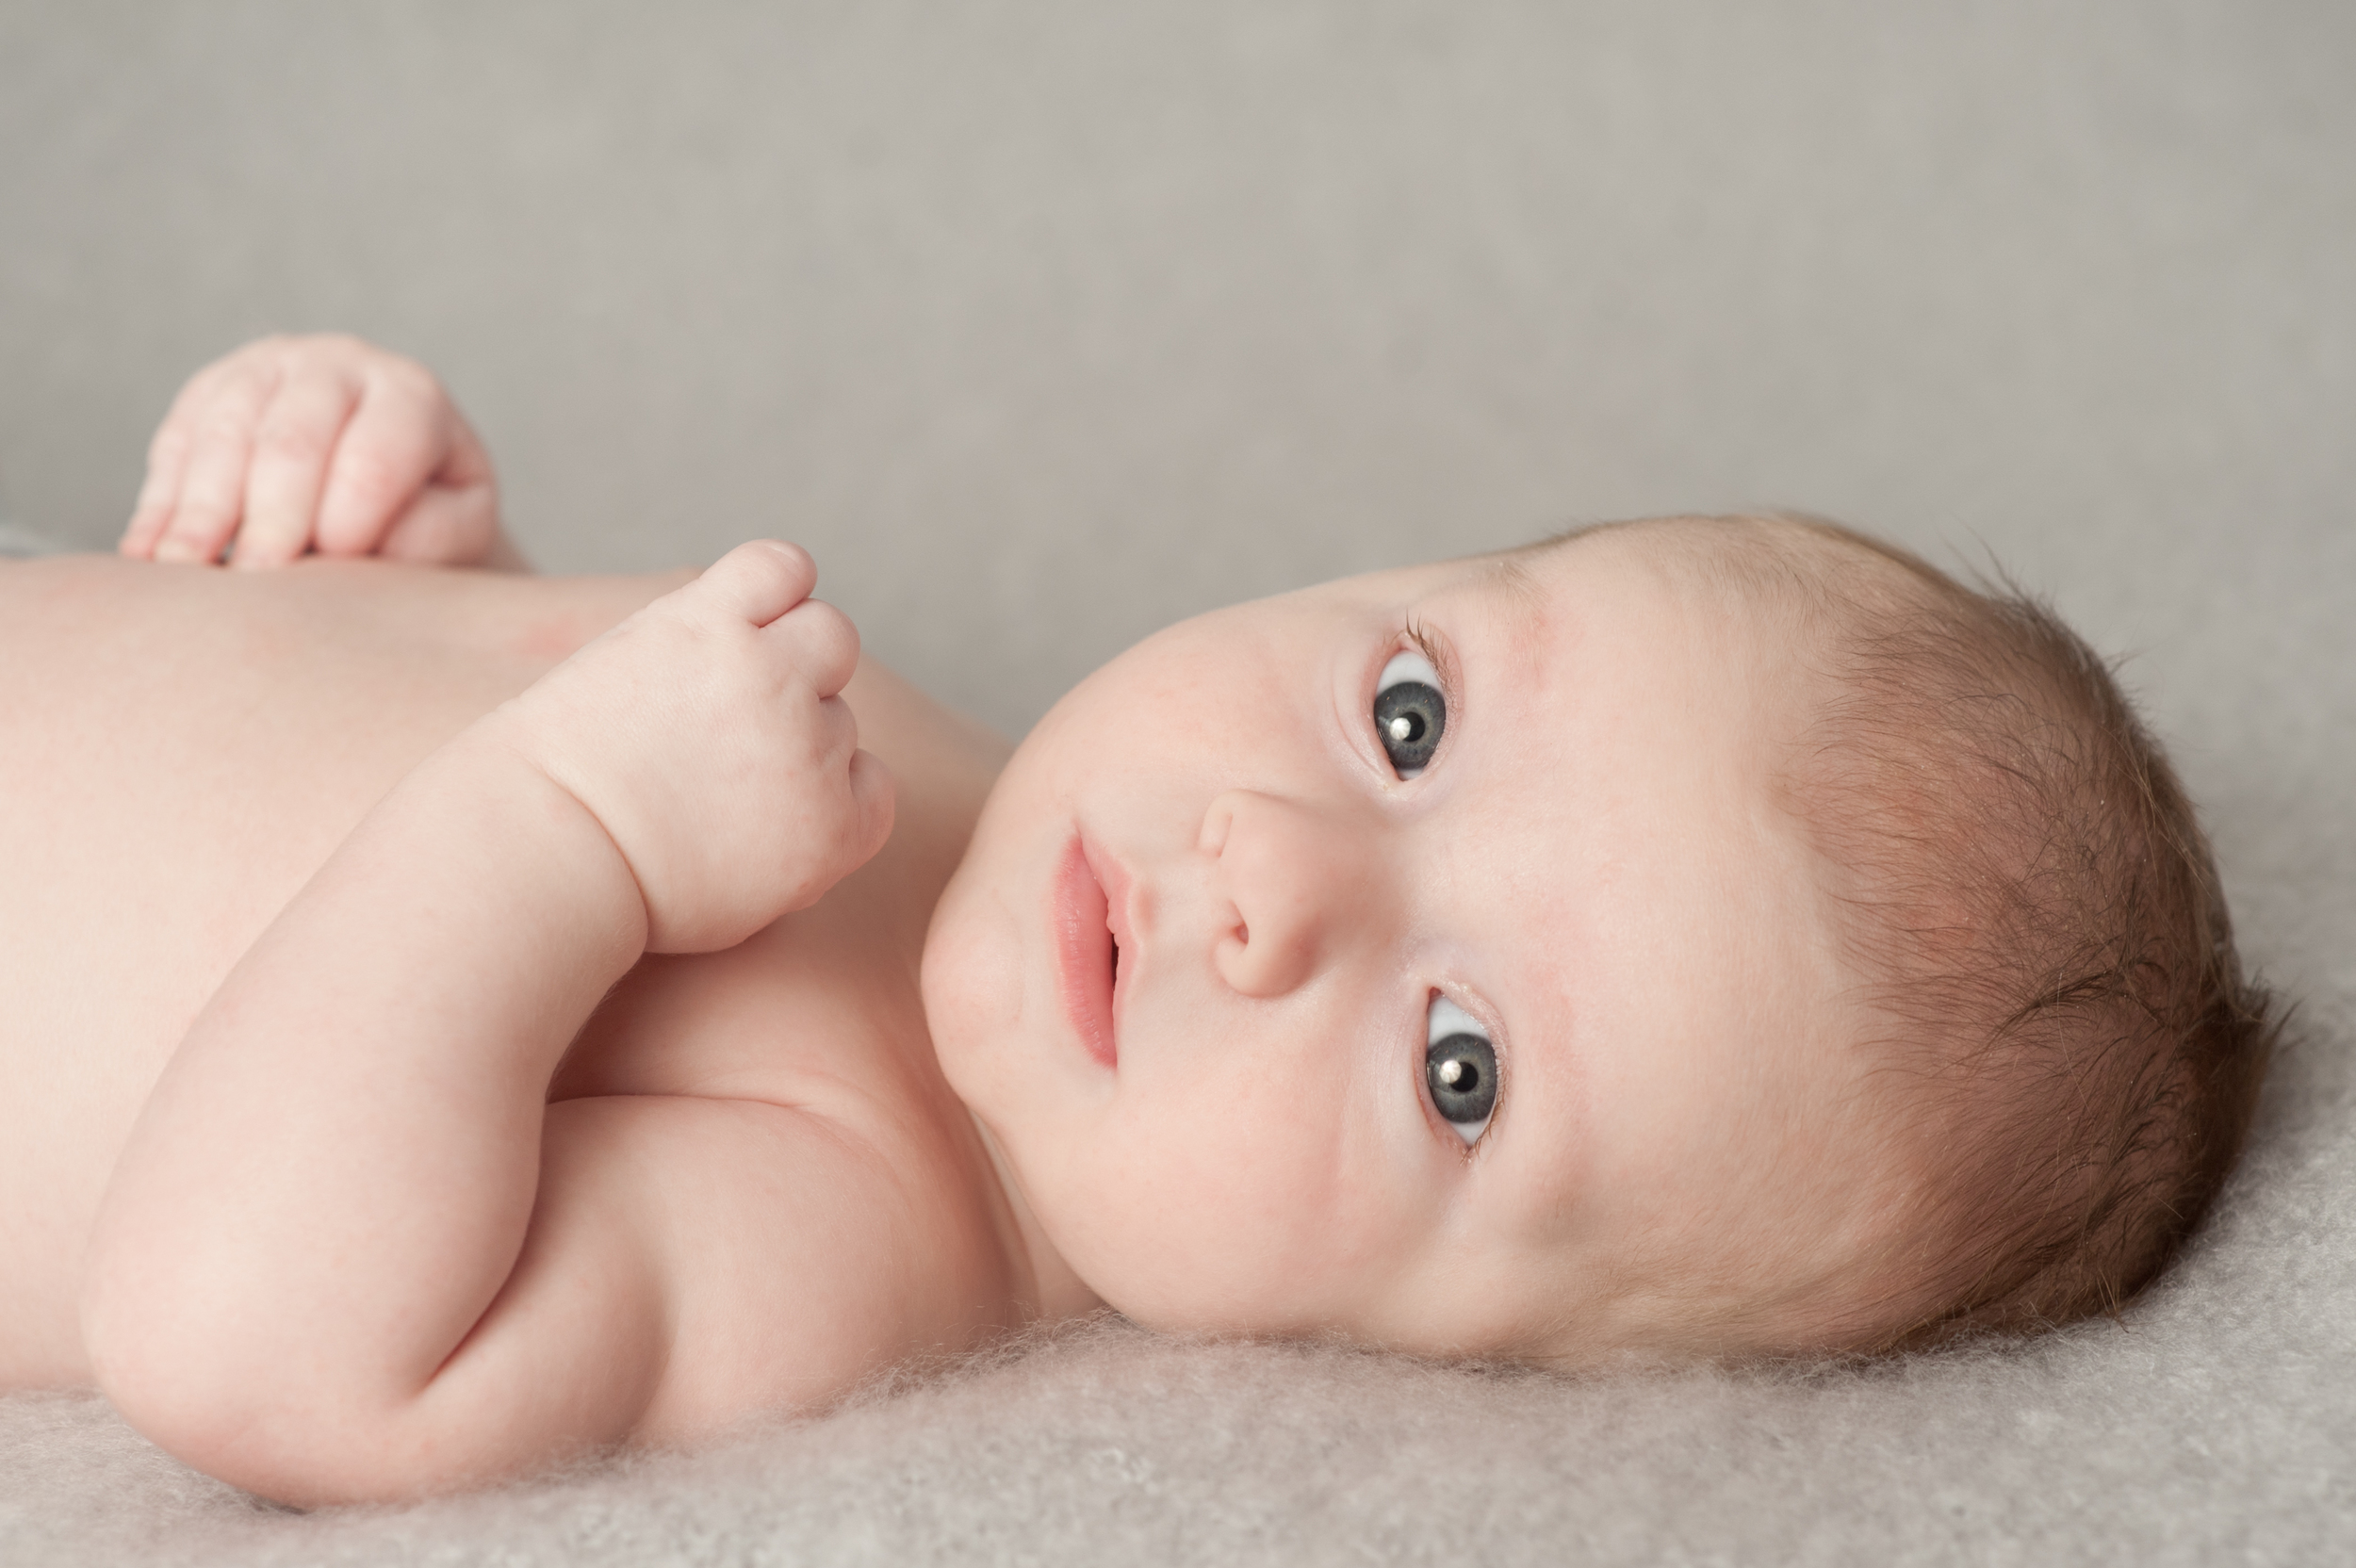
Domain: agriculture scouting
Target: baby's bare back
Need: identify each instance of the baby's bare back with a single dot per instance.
(181, 748)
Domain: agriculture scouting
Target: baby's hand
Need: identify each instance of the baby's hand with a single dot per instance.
(325, 443)
(707, 736)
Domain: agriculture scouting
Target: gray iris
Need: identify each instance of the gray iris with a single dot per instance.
(1409, 717)
(1462, 1072)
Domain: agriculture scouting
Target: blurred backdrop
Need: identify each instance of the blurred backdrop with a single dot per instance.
(1044, 324)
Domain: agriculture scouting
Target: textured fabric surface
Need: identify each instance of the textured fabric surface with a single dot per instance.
(1047, 324)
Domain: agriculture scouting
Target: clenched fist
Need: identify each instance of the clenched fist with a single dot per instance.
(707, 734)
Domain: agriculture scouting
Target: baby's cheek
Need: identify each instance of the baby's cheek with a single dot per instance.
(1216, 1219)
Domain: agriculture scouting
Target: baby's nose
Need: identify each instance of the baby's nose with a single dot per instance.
(1299, 880)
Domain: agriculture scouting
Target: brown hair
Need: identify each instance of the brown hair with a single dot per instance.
(2063, 1032)
(2035, 908)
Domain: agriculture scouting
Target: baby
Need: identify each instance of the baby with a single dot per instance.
(459, 1019)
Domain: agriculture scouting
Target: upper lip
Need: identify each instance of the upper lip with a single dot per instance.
(1089, 920)
(1113, 878)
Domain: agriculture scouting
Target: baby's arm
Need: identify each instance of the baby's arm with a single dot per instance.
(349, 1251)
(323, 443)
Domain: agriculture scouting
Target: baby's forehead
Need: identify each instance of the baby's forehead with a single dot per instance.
(1767, 558)
(1720, 563)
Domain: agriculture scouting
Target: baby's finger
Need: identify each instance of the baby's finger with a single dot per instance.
(873, 795)
(393, 445)
(445, 527)
(755, 582)
(167, 455)
(212, 483)
(292, 452)
(819, 640)
(167, 462)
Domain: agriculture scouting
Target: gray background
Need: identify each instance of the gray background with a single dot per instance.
(1043, 325)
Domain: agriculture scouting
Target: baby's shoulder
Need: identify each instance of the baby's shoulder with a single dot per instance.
(782, 1099)
(796, 1253)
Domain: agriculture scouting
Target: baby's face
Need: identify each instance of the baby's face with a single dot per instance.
(1190, 972)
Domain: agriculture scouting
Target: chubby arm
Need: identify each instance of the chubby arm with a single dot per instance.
(321, 442)
(348, 1250)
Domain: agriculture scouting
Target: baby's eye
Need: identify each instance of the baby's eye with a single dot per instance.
(1409, 712)
(1461, 1067)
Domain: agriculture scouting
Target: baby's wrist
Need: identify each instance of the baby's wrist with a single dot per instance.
(555, 835)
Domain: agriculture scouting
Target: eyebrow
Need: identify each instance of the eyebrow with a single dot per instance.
(1522, 591)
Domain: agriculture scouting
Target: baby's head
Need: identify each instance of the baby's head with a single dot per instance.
(1698, 936)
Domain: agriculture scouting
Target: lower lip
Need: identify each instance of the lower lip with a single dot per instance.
(1083, 945)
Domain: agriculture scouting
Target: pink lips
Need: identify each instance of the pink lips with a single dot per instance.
(1084, 938)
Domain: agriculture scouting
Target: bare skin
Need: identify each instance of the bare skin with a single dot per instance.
(460, 1018)
(184, 750)
(401, 1096)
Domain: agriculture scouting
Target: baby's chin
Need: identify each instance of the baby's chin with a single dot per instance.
(969, 982)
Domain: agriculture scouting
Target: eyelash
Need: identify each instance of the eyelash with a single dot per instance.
(1429, 649)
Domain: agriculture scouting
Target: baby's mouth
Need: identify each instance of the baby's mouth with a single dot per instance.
(1112, 879)
(1087, 957)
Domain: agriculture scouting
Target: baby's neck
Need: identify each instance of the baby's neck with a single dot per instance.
(1049, 1289)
